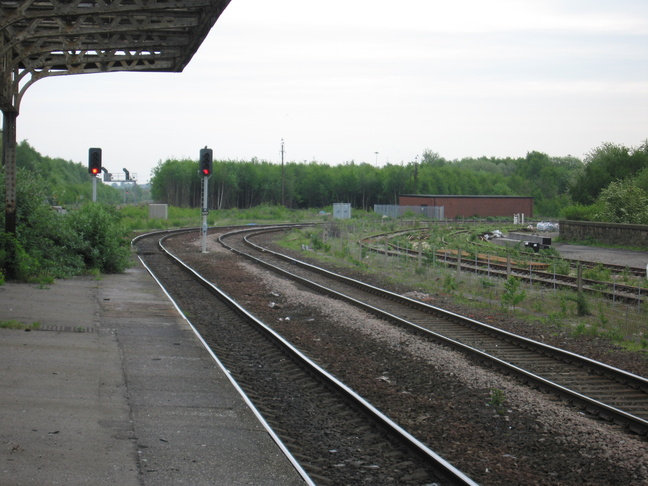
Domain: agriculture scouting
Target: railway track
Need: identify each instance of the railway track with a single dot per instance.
(335, 435)
(525, 271)
(596, 388)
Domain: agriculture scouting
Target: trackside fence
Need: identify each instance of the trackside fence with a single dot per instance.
(396, 211)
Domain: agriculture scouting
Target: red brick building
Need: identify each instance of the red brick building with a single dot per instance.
(470, 206)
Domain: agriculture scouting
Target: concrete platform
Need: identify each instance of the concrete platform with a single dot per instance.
(115, 389)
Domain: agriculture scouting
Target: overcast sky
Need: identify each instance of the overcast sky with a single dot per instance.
(340, 80)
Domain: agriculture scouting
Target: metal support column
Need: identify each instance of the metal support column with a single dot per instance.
(9, 163)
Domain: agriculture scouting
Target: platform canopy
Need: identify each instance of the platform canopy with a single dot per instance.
(42, 38)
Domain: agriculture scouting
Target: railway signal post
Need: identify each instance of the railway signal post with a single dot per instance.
(94, 168)
(206, 164)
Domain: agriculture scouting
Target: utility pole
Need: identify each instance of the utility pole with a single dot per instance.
(283, 181)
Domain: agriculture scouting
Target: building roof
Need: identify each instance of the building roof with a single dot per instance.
(464, 197)
(40, 38)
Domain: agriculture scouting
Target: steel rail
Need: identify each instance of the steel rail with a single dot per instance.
(592, 405)
(443, 468)
(611, 290)
(275, 438)
(636, 271)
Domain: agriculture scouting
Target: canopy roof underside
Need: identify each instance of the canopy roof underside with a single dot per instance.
(40, 38)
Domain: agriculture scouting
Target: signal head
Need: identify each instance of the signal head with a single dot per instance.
(206, 162)
(94, 161)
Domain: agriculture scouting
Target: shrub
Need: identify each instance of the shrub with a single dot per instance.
(450, 283)
(512, 294)
(497, 397)
(51, 245)
(623, 202)
(579, 212)
(582, 306)
(101, 239)
(598, 272)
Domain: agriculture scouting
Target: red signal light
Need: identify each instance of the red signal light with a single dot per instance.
(94, 161)
(206, 162)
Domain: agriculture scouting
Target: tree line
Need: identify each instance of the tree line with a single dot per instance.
(241, 184)
(557, 184)
(609, 184)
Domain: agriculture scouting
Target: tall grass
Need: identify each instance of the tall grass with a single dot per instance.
(579, 315)
(136, 218)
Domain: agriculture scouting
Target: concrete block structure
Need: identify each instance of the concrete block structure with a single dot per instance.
(341, 210)
(158, 211)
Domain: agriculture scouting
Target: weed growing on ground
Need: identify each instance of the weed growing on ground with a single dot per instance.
(13, 324)
(450, 283)
(582, 305)
(597, 273)
(497, 397)
(512, 295)
(623, 323)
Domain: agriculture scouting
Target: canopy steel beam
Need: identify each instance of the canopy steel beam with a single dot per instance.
(55, 37)
(41, 38)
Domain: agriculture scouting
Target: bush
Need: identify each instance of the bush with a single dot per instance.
(100, 238)
(598, 272)
(579, 212)
(38, 248)
(623, 202)
(582, 306)
(50, 245)
(512, 294)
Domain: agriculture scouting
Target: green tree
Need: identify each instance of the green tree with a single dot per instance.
(394, 181)
(176, 182)
(641, 179)
(315, 184)
(605, 164)
(623, 202)
(64, 182)
(432, 159)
